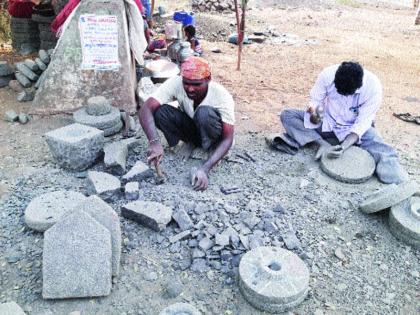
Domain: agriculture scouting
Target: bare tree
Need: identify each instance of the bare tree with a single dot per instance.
(240, 26)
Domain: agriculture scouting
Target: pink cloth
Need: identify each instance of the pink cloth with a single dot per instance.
(63, 15)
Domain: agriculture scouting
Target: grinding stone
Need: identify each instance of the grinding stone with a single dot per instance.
(388, 196)
(354, 166)
(404, 221)
(180, 309)
(273, 279)
(101, 122)
(45, 210)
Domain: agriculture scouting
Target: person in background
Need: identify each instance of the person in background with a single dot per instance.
(189, 31)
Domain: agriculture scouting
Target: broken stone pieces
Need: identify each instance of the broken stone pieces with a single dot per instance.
(388, 196)
(45, 210)
(116, 157)
(76, 146)
(273, 279)
(11, 116)
(180, 309)
(151, 214)
(132, 190)
(76, 260)
(11, 308)
(103, 184)
(140, 171)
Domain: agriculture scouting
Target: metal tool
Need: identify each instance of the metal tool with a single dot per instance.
(230, 190)
(160, 177)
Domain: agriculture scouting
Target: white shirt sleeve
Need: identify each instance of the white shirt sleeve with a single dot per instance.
(319, 90)
(167, 92)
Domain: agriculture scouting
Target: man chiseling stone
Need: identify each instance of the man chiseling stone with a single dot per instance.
(344, 102)
(205, 117)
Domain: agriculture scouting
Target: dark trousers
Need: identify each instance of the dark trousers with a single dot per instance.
(203, 130)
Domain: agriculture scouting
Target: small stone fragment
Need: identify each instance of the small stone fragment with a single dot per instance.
(151, 214)
(205, 244)
(132, 191)
(11, 308)
(180, 309)
(23, 69)
(15, 86)
(116, 157)
(103, 184)
(140, 171)
(180, 236)
(24, 81)
(44, 56)
(173, 287)
(291, 241)
(42, 66)
(31, 65)
(26, 96)
(183, 220)
(23, 118)
(11, 116)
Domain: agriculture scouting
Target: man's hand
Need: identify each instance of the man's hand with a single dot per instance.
(317, 114)
(335, 152)
(200, 180)
(155, 153)
(323, 148)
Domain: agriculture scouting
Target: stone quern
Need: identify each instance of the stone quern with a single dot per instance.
(11, 308)
(404, 221)
(45, 210)
(354, 166)
(102, 122)
(98, 106)
(273, 279)
(76, 146)
(151, 214)
(180, 309)
(388, 196)
(140, 171)
(103, 184)
(116, 157)
(105, 215)
(76, 260)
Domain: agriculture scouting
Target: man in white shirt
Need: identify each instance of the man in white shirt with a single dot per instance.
(344, 101)
(205, 117)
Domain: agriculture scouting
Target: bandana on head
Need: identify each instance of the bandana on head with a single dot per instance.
(195, 68)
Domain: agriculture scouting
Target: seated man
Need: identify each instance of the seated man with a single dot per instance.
(344, 101)
(205, 117)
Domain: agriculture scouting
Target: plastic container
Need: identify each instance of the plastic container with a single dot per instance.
(184, 17)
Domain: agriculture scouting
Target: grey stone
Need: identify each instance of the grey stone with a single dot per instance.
(44, 56)
(76, 260)
(150, 276)
(249, 219)
(10, 116)
(244, 240)
(25, 96)
(98, 106)
(28, 48)
(15, 86)
(51, 52)
(140, 171)
(24, 81)
(23, 118)
(205, 244)
(45, 210)
(291, 241)
(40, 80)
(116, 157)
(4, 81)
(256, 239)
(180, 236)
(404, 221)
(42, 66)
(145, 88)
(222, 239)
(199, 265)
(354, 166)
(5, 69)
(273, 279)
(183, 220)
(132, 190)
(23, 69)
(11, 308)
(31, 65)
(75, 146)
(148, 213)
(180, 309)
(65, 88)
(197, 253)
(113, 130)
(173, 287)
(103, 184)
(105, 215)
(102, 122)
(388, 196)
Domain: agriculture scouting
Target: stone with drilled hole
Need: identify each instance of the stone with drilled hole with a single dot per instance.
(103, 184)
(76, 260)
(180, 309)
(354, 166)
(45, 210)
(102, 122)
(148, 213)
(75, 146)
(273, 279)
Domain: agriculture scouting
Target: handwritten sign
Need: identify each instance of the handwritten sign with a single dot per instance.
(99, 39)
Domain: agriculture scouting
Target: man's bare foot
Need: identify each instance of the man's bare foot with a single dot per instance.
(186, 151)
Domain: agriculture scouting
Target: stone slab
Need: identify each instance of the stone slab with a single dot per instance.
(101, 122)
(76, 260)
(105, 215)
(132, 191)
(388, 196)
(140, 171)
(354, 166)
(148, 213)
(103, 184)
(67, 86)
(180, 309)
(75, 146)
(404, 221)
(115, 158)
(45, 210)
(273, 279)
(98, 106)
(11, 308)
(183, 220)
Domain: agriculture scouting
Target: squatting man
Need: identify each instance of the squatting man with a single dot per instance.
(205, 117)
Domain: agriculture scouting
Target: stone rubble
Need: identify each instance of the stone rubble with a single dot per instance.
(151, 214)
(115, 158)
(132, 191)
(139, 172)
(213, 5)
(103, 184)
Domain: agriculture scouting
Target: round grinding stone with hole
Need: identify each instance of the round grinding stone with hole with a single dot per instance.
(102, 122)
(45, 210)
(404, 221)
(180, 309)
(354, 166)
(273, 279)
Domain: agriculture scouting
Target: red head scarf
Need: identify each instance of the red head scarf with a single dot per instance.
(195, 68)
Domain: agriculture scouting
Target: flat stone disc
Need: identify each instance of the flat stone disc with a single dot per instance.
(101, 122)
(273, 279)
(404, 221)
(180, 309)
(45, 210)
(388, 196)
(354, 166)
